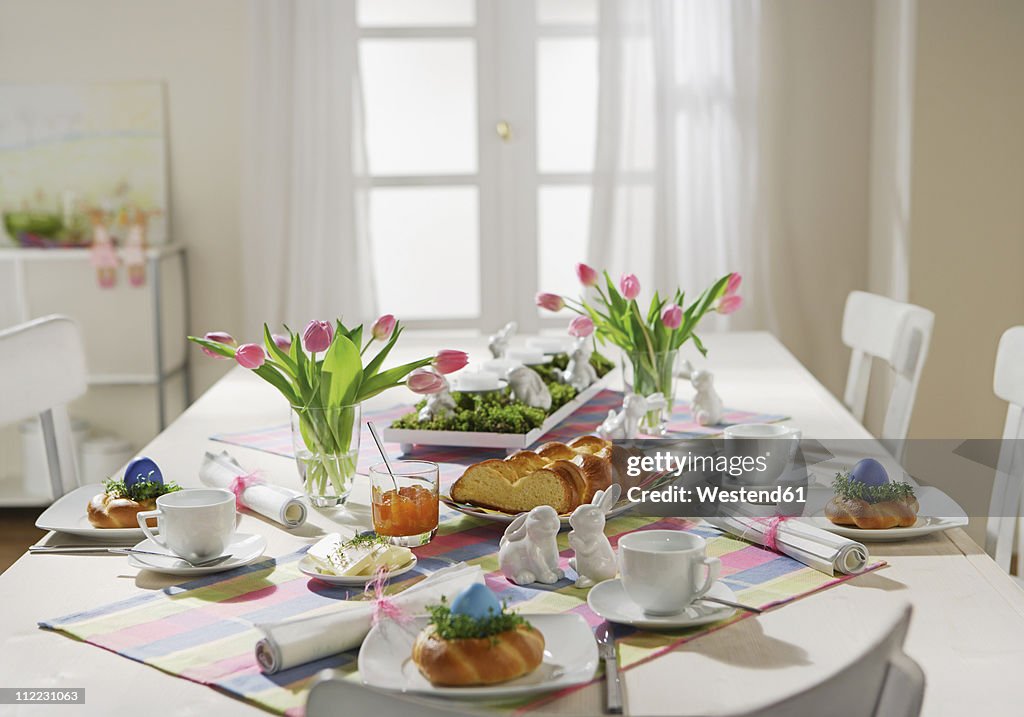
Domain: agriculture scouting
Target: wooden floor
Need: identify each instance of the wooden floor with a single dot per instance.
(17, 532)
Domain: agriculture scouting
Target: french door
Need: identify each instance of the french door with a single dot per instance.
(480, 126)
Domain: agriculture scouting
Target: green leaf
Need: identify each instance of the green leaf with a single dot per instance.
(700, 346)
(274, 350)
(341, 373)
(387, 379)
(301, 371)
(270, 374)
(216, 346)
(377, 361)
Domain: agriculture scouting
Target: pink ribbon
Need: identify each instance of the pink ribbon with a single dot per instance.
(239, 485)
(771, 531)
(382, 605)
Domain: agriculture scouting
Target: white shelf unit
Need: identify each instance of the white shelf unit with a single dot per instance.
(134, 336)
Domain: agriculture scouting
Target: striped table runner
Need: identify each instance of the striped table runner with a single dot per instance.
(204, 630)
(278, 439)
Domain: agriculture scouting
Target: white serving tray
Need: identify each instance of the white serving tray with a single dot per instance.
(477, 439)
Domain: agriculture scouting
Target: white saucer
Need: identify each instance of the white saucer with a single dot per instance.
(570, 658)
(244, 549)
(308, 567)
(609, 600)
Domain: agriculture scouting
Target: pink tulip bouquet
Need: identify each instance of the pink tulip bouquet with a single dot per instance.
(323, 375)
(650, 340)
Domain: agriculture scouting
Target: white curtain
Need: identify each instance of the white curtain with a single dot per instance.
(676, 193)
(305, 245)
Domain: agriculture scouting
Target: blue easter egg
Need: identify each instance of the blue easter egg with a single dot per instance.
(142, 469)
(869, 472)
(477, 601)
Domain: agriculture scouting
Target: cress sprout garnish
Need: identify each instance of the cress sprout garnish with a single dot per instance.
(846, 487)
(139, 491)
(452, 626)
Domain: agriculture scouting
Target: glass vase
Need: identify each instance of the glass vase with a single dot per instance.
(326, 445)
(651, 375)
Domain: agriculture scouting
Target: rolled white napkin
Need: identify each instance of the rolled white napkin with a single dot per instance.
(296, 642)
(814, 547)
(219, 470)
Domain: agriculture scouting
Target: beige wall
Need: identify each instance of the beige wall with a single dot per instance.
(196, 47)
(967, 205)
(817, 133)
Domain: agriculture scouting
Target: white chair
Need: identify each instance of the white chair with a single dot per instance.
(898, 334)
(882, 681)
(42, 369)
(1005, 506)
(334, 696)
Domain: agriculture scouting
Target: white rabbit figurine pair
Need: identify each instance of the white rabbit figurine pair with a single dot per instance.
(528, 551)
(594, 559)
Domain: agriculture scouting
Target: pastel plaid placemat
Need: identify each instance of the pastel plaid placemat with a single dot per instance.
(204, 630)
(278, 439)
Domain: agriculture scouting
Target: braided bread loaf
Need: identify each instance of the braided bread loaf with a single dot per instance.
(872, 516)
(562, 475)
(478, 661)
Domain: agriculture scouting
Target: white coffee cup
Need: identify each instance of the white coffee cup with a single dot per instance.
(664, 571)
(774, 442)
(195, 524)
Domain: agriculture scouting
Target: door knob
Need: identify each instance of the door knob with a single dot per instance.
(504, 130)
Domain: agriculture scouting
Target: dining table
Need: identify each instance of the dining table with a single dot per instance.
(967, 629)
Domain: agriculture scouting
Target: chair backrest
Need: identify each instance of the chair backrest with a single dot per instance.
(1005, 506)
(42, 369)
(333, 695)
(897, 333)
(882, 681)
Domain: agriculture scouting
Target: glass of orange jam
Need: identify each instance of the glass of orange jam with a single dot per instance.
(404, 501)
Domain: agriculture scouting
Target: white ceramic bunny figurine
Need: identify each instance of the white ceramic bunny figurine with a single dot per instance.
(707, 404)
(594, 559)
(579, 373)
(498, 342)
(528, 387)
(528, 551)
(626, 423)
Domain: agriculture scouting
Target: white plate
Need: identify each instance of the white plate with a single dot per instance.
(937, 512)
(923, 526)
(68, 515)
(308, 567)
(570, 658)
(496, 516)
(609, 600)
(244, 549)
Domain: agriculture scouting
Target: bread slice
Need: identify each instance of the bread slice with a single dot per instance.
(561, 475)
(488, 487)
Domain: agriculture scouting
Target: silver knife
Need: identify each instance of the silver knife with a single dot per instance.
(71, 549)
(605, 636)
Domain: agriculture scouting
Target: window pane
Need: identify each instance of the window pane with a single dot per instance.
(567, 12)
(420, 106)
(566, 104)
(563, 219)
(382, 13)
(426, 251)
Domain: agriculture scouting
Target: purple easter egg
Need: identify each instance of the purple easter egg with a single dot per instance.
(142, 469)
(869, 472)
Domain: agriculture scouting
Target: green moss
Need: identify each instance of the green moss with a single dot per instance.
(487, 412)
(496, 412)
